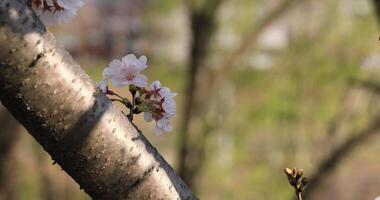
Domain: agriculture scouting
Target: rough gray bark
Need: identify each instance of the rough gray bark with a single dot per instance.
(59, 105)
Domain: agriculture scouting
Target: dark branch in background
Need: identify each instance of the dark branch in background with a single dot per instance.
(331, 162)
(203, 25)
(367, 84)
(8, 137)
(256, 30)
(343, 150)
(192, 149)
(376, 5)
(60, 106)
(250, 41)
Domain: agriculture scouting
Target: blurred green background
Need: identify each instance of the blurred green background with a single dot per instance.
(262, 85)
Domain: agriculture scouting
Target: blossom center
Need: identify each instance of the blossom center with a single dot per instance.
(130, 76)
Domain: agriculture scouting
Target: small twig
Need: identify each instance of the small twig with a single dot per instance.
(117, 95)
(131, 112)
(296, 180)
(118, 100)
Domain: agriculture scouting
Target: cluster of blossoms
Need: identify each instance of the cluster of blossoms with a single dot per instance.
(155, 101)
(55, 11)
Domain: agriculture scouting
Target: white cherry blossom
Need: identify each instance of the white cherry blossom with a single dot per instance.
(56, 11)
(155, 101)
(161, 106)
(125, 72)
(163, 125)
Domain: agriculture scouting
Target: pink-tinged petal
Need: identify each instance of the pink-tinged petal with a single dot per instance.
(108, 73)
(164, 124)
(165, 92)
(158, 131)
(130, 70)
(168, 127)
(112, 69)
(140, 81)
(169, 108)
(155, 85)
(119, 82)
(142, 62)
(127, 82)
(103, 86)
(148, 117)
(129, 59)
(70, 4)
(115, 64)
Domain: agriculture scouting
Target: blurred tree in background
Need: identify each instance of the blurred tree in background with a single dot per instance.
(262, 85)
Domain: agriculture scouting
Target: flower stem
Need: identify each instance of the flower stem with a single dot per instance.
(118, 100)
(130, 115)
(118, 95)
(299, 195)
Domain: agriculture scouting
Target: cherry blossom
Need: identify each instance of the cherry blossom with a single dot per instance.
(125, 72)
(155, 101)
(56, 11)
(161, 107)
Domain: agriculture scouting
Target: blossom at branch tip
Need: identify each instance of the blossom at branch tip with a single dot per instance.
(55, 11)
(103, 86)
(161, 107)
(155, 101)
(125, 72)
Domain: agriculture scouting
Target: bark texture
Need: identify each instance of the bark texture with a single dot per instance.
(60, 106)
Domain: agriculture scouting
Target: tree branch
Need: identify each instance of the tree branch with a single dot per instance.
(339, 154)
(332, 160)
(376, 5)
(9, 134)
(367, 84)
(256, 30)
(76, 124)
(203, 25)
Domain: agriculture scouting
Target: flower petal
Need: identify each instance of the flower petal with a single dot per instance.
(165, 92)
(169, 107)
(164, 124)
(129, 59)
(140, 81)
(148, 116)
(168, 127)
(103, 86)
(112, 69)
(158, 130)
(119, 82)
(142, 62)
(155, 85)
(115, 64)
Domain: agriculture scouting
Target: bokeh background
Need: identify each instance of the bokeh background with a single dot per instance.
(262, 85)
